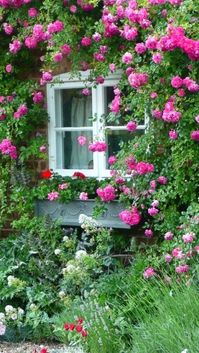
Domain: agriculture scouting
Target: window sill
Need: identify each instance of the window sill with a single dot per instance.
(68, 213)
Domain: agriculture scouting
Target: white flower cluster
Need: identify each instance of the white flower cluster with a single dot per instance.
(11, 313)
(89, 224)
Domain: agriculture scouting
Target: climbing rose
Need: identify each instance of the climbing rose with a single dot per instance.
(86, 42)
(127, 58)
(188, 237)
(168, 236)
(173, 134)
(157, 58)
(7, 148)
(162, 180)
(99, 146)
(130, 217)
(131, 126)
(137, 80)
(82, 140)
(153, 211)
(38, 97)
(112, 160)
(176, 82)
(195, 135)
(148, 233)
(32, 12)
(144, 168)
(106, 194)
(168, 258)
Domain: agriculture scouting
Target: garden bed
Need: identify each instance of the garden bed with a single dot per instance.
(30, 347)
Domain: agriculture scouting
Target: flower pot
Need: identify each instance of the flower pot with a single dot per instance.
(68, 213)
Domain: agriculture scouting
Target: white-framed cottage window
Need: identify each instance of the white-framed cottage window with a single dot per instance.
(71, 115)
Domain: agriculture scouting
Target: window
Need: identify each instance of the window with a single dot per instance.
(71, 115)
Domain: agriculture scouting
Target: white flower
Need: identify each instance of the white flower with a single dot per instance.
(33, 306)
(9, 309)
(14, 316)
(69, 268)
(185, 351)
(11, 280)
(20, 311)
(65, 238)
(57, 251)
(2, 317)
(61, 294)
(2, 329)
(80, 254)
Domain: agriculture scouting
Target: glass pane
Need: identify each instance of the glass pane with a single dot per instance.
(115, 137)
(70, 155)
(76, 109)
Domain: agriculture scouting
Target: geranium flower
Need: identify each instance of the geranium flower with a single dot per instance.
(46, 174)
(79, 175)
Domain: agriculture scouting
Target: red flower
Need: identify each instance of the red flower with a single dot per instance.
(66, 326)
(80, 321)
(46, 174)
(44, 350)
(79, 328)
(79, 175)
(71, 327)
(84, 333)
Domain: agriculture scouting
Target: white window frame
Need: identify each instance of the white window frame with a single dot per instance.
(66, 81)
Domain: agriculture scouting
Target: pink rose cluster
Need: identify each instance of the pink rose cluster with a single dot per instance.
(162, 2)
(137, 80)
(13, 3)
(170, 115)
(7, 148)
(38, 97)
(116, 102)
(195, 135)
(98, 146)
(131, 217)
(107, 193)
(21, 111)
(153, 210)
(46, 77)
(178, 82)
(143, 168)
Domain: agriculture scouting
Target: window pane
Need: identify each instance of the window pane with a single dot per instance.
(76, 109)
(115, 137)
(70, 155)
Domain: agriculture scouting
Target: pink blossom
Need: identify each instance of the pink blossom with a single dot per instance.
(143, 168)
(149, 272)
(21, 111)
(73, 9)
(175, 2)
(2, 329)
(182, 268)
(177, 252)
(56, 26)
(151, 43)
(148, 233)
(58, 57)
(112, 160)
(2, 114)
(7, 148)
(130, 217)
(195, 135)
(32, 12)
(129, 33)
(99, 57)
(9, 68)
(8, 28)
(99, 79)
(197, 119)
(155, 203)
(63, 186)
(38, 97)
(140, 48)
(157, 114)
(46, 77)
(115, 104)
(181, 92)
(83, 196)
(86, 41)
(31, 42)
(98, 146)
(153, 211)
(82, 140)
(153, 184)
(66, 49)
(86, 92)
(173, 134)
(168, 236)
(112, 67)
(188, 237)
(168, 258)
(176, 82)
(137, 80)
(42, 149)
(97, 37)
(53, 195)
(131, 126)
(153, 95)
(157, 58)
(162, 180)
(15, 46)
(107, 193)
(127, 58)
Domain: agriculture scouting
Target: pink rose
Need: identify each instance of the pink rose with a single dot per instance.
(149, 272)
